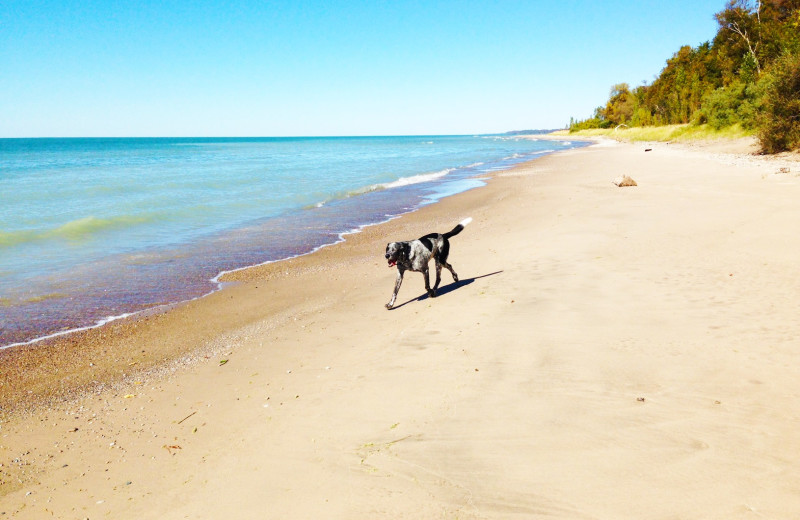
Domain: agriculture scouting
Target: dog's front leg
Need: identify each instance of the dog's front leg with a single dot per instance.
(431, 292)
(396, 288)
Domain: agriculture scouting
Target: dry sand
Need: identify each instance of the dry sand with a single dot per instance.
(610, 353)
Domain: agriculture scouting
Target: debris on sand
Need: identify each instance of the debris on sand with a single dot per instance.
(624, 180)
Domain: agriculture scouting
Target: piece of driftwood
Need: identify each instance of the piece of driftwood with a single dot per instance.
(624, 180)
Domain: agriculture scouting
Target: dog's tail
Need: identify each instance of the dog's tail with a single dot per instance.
(456, 230)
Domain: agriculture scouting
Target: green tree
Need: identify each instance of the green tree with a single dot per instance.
(740, 22)
(746, 75)
(779, 121)
(620, 106)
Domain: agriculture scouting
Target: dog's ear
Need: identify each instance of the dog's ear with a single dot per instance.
(406, 251)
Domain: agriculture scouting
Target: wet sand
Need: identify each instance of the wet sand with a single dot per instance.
(609, 353)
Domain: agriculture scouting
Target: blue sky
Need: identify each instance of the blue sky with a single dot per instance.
(341, 67)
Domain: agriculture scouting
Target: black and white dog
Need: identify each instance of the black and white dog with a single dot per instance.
(414, 255)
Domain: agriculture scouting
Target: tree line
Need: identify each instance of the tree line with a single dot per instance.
(749, 75)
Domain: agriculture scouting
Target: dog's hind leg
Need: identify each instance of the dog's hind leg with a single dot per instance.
(396, 288)
(438, 275)
(442, 259)
(450, 268)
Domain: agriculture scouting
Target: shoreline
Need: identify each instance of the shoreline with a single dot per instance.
(586, 329)
(167, 282)
(21, 360)
(66, 339)
(216, 280)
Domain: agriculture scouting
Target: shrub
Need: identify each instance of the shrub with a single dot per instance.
(589, 124)
(778, 123)
(597, 121)
(737, 103)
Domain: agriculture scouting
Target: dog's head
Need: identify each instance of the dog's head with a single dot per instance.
(396, 252)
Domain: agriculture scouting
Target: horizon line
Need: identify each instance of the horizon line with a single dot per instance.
(508, 132)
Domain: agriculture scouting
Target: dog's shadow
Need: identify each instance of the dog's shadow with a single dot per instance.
(445, 289)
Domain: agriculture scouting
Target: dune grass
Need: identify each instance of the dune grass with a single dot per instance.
(687, 132)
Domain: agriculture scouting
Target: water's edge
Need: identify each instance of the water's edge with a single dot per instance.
(217, 285)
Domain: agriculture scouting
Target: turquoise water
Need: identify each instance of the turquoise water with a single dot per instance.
(97, 228)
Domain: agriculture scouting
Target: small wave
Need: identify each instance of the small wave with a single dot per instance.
(9, 302)
(13, 238)
(150, 258)
(315, 205)
(75, 230)
(532, 155)
(417, 179)
(97, 324)
(84, 227)
(346, 195)
(527, 155)
(45, 297)
(402, 181)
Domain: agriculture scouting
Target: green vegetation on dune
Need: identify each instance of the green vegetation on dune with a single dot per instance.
(744, 82)
(685, 132)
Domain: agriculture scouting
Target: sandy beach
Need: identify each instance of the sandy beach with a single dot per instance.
(609, 353)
